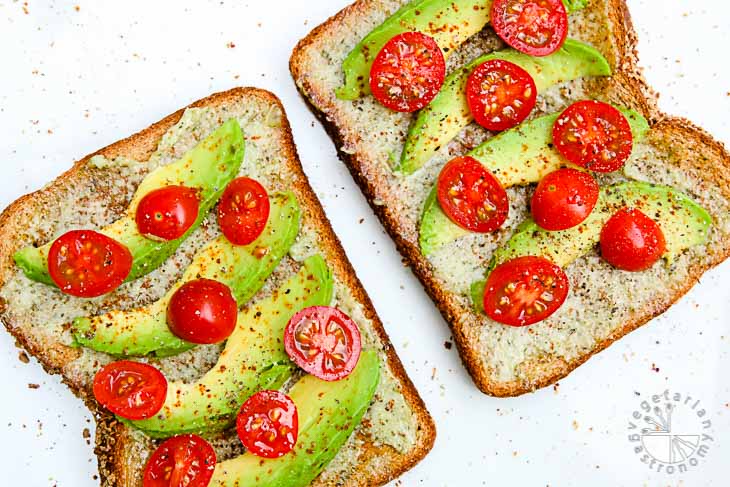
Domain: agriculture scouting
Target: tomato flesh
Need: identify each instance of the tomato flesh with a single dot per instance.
(202, 311)
(631, 241)
(471, 196)
(500, 94)
(564, 199)
(86, 264)
(243, 210)
(524, 291)
(323, 341)
(167, 213)
(535, 27)
(181, 461)
(268, 424)
(594, 135)
(132, 390)
(408, 72)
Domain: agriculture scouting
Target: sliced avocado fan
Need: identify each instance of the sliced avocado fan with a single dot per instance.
(328, 414)
(243, 268)
(448, 113)
(449, 22)
(253, 359)
(209, 166)
(516, 157)
(683, 222)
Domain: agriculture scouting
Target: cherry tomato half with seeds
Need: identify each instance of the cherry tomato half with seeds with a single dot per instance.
(631, 241)
(535, 27)
(323, 341)
(167, 213)
(202, 311)
(268, 424)
(524, 290)
(564, 199)
(243, 211)
(471, 196)
(132, 390)
(86, 264)
(500, 94)
(408, 72)
(594, 135)
(180, 461)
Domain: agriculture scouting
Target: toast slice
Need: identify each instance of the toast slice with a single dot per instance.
(605, 304)
(396, 432)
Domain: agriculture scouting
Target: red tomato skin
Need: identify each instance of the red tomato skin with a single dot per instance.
(631, 241)
(534, 270)
(268, 413)
(114, 261)
(181, 461)
(477, 189)
(564, 199)
(202, 311)
(167, 213)
(503, 81)
(550, 15)
(392, 74)
(132, 390)
(307, 330)
(601, 136)
(243, 211)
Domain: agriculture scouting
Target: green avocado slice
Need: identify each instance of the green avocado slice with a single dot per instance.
(243, 268)
(449, 22)
(516, 157)
(209, 166)
(328, 414)
(448, 113)
(683, 222)
(253, 359)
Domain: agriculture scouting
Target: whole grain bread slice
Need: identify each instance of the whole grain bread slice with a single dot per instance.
(92, 194)
(501, 361)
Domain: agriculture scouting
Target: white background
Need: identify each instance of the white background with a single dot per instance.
(76, 79)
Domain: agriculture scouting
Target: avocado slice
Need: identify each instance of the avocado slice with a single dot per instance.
(516, 157)
(243, 268)
(683, 222)
(448, 113)
(253, 359)
(449, 22)
(209, 166)
(328, 414)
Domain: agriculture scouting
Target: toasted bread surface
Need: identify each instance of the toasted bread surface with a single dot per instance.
(504, 361)
(396, 432)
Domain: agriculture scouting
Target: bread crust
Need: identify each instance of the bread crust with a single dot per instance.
(626, 85)
(113, 439)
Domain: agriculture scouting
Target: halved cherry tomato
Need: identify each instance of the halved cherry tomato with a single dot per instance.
(471, 196)
(202, 311)
(631, 241)
(243, 211)
(408, 72)
(87, 264)
(180, 461)
(535, 27)
(594, 135)
(500, 94)
(323, 341)
(564, 199)
(167, 213)
(268, 424)
(132, 390)
(524, 290)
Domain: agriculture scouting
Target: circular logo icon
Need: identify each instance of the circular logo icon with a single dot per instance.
(670, 432)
